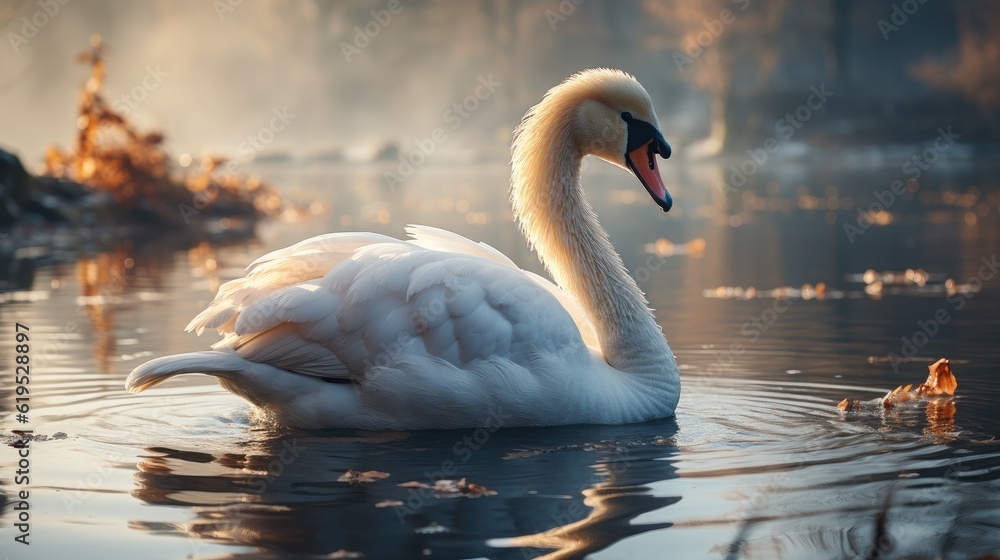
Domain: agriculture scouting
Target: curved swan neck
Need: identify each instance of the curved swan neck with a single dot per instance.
(561, 225)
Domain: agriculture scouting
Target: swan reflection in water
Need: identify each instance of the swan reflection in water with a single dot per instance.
(564, 492)
(561, 492)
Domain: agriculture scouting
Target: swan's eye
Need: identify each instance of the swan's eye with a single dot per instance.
(626, 116)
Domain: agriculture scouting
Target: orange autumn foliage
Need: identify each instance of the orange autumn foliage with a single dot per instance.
(109, 154)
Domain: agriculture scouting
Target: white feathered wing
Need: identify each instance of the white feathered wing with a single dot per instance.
(364, 330)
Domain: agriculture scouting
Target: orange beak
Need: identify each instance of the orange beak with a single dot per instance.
(642, 162)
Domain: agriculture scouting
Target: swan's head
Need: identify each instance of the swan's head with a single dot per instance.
(611, 116)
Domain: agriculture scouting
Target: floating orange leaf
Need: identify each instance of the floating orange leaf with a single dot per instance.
(413, 484)
(388, 503)
(848, 405)
(452, 488)
(344, 553)
(940, 381)
(357, 477)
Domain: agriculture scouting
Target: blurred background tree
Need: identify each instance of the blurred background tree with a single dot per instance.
(972, 68)
(725, 48)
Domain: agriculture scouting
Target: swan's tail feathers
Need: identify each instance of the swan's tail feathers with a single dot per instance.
(210, 362)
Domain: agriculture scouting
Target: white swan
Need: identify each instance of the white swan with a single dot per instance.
(362, 330)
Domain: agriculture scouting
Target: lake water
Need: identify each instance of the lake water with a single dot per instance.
(758, 462)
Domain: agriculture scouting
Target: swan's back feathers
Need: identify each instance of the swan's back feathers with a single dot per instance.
(337, 311)
(336, 245)
(355, 266)
(443, 240)
(438, 239)
(284, 347)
